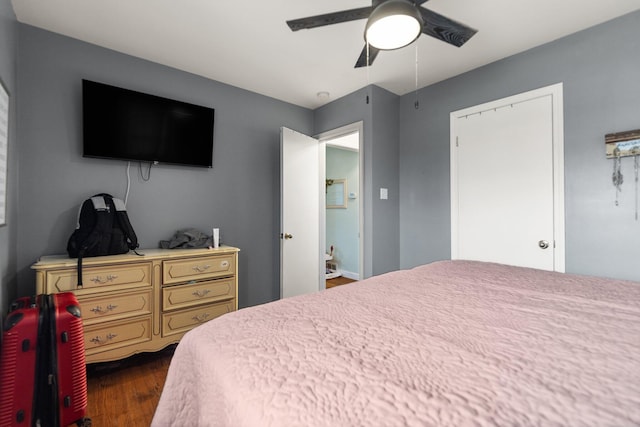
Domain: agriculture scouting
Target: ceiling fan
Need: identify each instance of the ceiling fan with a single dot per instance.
(406, 13)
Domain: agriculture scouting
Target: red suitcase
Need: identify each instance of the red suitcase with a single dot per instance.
(18, 365)
(43, 352)
(71, 393)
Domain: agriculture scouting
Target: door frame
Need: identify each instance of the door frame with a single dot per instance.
(323, 138)
(556, 93)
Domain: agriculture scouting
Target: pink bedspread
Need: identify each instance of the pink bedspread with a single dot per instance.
(453, 343)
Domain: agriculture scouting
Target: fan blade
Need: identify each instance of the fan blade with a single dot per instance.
(329, 18)
(445, 29)
(419, 2)
(362, 60)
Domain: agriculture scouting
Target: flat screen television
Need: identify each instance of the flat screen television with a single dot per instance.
(124, 124)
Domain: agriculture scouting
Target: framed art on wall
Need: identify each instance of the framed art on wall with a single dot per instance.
(4, 150)
(336, 194)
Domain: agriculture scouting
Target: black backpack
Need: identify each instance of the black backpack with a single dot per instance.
(103, 229)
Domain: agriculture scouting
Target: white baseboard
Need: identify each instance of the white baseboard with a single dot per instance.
(332, 274)
(351, 275)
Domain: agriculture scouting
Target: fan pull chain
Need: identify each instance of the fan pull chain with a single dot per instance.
(368, 76)
(417, 103)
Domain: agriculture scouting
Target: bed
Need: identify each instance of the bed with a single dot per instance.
(452, 343)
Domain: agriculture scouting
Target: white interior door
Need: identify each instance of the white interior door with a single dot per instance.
(301, 269)
(504, 183)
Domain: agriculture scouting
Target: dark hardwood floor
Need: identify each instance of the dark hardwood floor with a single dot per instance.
(126, 392)
(338, 281)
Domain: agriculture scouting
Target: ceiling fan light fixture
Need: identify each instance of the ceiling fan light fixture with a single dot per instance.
(393, 24)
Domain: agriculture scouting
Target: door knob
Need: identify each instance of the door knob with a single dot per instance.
(286, 236)
(543, 244)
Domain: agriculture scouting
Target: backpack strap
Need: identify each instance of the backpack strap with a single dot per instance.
(102, 223)
(80, 284)
(99, 203)
(125, 224)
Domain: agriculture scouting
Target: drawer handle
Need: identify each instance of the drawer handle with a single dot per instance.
(224, 264)
(99, 340)
(201, 269)
(99, 310)
(201, 317)
(201, 293)
(99, 281)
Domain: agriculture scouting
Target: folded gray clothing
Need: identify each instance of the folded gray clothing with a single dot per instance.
(187, 238)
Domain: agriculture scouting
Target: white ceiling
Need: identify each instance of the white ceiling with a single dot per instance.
(247, 43)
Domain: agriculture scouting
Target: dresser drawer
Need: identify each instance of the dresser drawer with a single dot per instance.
(185, 270)
(182, 296)
(116, 334)
(99, 278)
(115, 306)
(181, 321)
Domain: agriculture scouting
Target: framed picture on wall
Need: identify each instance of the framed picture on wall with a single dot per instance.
(4, 150)
(336, 194)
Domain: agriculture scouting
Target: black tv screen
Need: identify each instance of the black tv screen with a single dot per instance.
(128, 125)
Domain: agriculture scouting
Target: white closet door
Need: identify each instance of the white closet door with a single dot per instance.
(503, 189)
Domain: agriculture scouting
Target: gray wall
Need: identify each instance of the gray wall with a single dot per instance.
(600, 70)
(385, 166)
(380, 152)
(9, 232)
(240, 195)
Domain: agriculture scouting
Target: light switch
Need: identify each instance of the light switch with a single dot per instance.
(384, 194)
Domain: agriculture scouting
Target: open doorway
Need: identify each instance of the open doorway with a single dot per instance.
(343, 204)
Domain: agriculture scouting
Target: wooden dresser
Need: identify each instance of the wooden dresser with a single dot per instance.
(132, 304)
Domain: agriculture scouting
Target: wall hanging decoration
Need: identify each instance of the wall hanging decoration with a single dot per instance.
(635, 169)
(616, 177)
(4, 150)
(622, 144)
(617, 146)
